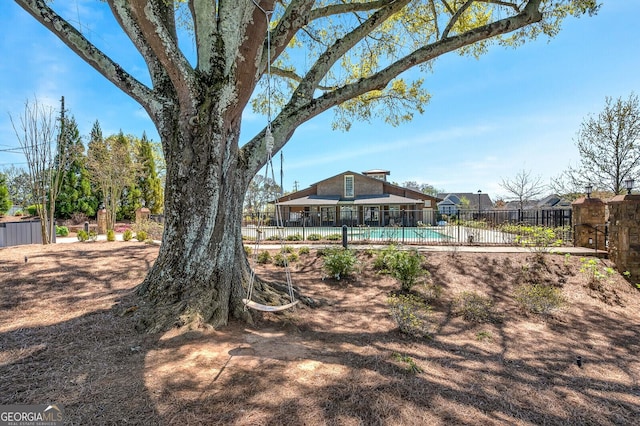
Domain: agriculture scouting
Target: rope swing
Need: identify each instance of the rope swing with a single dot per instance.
(269, 144)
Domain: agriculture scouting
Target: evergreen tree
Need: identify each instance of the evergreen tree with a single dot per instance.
(76, 195)
(148, 180)
(5, 201)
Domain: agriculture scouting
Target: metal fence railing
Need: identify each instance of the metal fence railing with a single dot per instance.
(495, 227)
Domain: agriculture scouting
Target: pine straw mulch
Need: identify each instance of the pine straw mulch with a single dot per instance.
(66, 336)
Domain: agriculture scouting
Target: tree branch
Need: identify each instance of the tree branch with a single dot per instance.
(129, 25)
(205, 17)
(151, 17)
(337, 9)
(342, 46)
(455, 18)
(89, 52)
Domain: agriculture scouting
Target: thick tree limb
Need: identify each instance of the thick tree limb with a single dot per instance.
(338, 9)
(89, 52)
(342, 46)
(204, 16)
(152, 22)
(129, 25)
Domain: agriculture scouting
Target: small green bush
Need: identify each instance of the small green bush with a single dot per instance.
(286, 249)
(598, 277)
(264, 257)
(411, 314)
(294, 237)
(292, 258)
(384, 257)
(62, 231)
(274, 238)
(339, 262)
(141, 236)
(93, 235)
(248, 251)
(314, 237)
(111, 235)
(303, 250)
(406, 267)
(19, 213)
(127, 235)
(539, 298)
(279, 259)
(333, 237)
(82, 235)
(33, 209)
(474, 307)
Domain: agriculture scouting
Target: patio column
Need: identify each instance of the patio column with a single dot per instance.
(624, 234)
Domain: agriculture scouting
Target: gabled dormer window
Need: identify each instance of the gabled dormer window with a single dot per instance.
(348, 186)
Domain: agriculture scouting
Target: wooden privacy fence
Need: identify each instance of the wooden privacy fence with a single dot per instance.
(18, 233)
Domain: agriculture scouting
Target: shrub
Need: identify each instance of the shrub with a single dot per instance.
(286, 249)
(264, 257)
(292, 258)
(383, 260)
(62, 231)
(333, 237)
(279, 259)
(248, 251)
(339, 262)
(19, 213)
(141, 236)
(78, 217)
(597, 276)
(294, 237)
(474, 307)
(111, 235)
(151, 229)
(93, 235)
(410, 313)
(406, 267)
(314, 237)
(82, 235)
(33, 209)
(127, 235)
(274, 238)
(304, 250)
(539, 298)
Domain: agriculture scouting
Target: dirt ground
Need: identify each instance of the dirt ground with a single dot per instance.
(67, 315)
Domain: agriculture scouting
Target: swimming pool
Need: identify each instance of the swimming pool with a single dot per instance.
(398, 233)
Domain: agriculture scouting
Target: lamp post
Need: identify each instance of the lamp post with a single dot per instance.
(479, 192)
(628, 183)
(588, 189)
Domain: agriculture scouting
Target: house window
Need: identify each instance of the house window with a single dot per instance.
(348, 186)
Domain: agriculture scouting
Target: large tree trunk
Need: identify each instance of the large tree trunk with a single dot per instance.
(201, 267)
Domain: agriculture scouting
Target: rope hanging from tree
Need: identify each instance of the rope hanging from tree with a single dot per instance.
(269, 144)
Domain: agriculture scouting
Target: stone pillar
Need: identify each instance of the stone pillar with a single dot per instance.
(102, 221)
(589, 223)
(142, 213)
(624, 234)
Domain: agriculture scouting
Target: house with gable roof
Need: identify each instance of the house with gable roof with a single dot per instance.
(358, 199)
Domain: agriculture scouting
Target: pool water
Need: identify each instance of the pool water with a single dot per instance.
(399, 233)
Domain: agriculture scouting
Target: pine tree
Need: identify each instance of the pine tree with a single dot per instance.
(148, 179)
(76, 195)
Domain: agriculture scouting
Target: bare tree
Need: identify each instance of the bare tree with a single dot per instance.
(37, 132)
(356, 54)
(112, 170)
(609, 148)
(523, 187)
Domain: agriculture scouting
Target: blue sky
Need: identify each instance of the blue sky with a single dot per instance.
(510, 110)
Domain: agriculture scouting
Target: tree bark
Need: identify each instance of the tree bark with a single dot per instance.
(201, 267)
